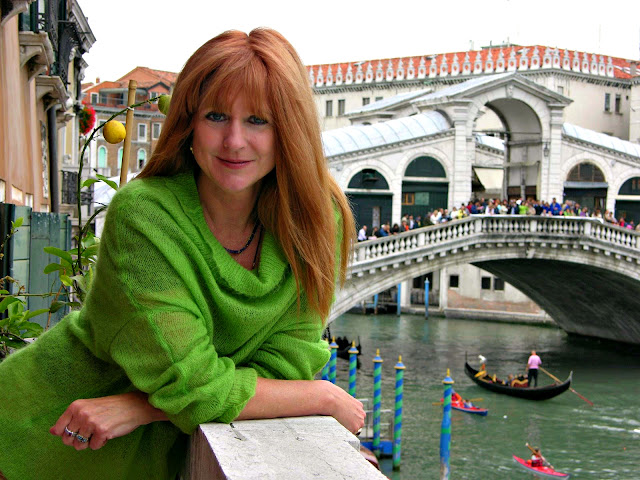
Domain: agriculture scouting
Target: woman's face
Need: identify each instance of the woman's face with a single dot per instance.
(234, 149)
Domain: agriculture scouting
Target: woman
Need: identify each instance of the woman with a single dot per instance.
(211, 290)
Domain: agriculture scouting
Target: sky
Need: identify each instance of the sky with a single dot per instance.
(162, 34)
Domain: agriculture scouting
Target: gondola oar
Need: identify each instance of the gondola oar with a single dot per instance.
(570, 388)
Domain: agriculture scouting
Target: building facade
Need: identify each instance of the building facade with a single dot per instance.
(109, 97)
(41, 67)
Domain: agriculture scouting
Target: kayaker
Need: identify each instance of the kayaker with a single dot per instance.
(533, 364)
(537, 460)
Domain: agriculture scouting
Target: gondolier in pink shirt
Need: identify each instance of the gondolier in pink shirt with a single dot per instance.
(533, 364)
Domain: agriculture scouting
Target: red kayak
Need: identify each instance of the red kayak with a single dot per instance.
(469, 408)
(543, 471)
(458, 403)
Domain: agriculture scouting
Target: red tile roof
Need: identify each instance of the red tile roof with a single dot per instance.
(445, 63)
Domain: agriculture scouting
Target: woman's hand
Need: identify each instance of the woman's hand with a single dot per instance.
(343, 407)
(98, 420)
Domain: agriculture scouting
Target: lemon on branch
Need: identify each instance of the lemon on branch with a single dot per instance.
(114, 131)
(163, 103)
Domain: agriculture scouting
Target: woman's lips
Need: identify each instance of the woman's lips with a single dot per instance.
(234, 163)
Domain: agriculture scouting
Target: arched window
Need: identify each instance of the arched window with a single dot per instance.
(585, 172)
(102, 157)
(368, 178)
(630, 187)
(142, 158)
(425, 167)
(120, 151)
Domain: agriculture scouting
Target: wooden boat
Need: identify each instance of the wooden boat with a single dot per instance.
(534, 393)
(543, 471)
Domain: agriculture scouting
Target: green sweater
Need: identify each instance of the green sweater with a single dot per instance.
(170, 313)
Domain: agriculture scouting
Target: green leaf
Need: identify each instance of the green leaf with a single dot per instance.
(88, 182)
(56, 305)
(32, 329)
(33, 313)
(16, 309)
(111, 183)
(4, 292)
(91, 250)
(66, 281)
(53, 267)
(6, 301)
(17, 223)
(59, 253)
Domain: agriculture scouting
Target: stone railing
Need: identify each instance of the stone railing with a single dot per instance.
(279, 449)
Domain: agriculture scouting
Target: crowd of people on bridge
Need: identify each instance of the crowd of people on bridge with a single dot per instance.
(492, 206)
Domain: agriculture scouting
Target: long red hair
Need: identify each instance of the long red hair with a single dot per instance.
(299, 197)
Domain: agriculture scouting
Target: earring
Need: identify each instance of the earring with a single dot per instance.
(191, 148)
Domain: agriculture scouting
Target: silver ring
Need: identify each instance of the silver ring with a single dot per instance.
(69, 432)
(81, 439)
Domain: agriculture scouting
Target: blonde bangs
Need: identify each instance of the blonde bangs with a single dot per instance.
(241, 74)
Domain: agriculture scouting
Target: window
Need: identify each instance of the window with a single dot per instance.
(94, 98)
(607, 102)
(28, 199)
(17, 196)
(408, 198)
(142, 132)
(142, 157)
(498, 284)
(378, 99)
(454, 281)
(365, 101)
(156, 130)
(561, 90)
(102, 157)
(486, 283)
(340, 107)
(3, 191)
(328, 109)
(617, 104)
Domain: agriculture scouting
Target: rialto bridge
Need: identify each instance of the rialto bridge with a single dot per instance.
(584, 273)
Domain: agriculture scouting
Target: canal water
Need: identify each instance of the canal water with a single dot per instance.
(590, 442)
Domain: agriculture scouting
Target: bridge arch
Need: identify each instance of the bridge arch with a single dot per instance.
(541, 256)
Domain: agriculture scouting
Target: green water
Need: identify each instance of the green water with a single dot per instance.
(589, 442)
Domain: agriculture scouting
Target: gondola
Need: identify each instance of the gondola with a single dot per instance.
(533, 393)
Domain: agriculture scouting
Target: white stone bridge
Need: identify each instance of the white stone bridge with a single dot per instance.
(583, 273)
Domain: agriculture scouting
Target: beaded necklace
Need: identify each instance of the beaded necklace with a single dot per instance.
(238, 252)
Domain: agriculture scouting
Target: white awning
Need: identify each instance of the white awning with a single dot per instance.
(491, 178)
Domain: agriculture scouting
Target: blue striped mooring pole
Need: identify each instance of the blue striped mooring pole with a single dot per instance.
(426, 298)
(445, 432)
(397, 419)
(353, 365)
(399, 299)
(377, 375)
(325, 369)
(332, 361)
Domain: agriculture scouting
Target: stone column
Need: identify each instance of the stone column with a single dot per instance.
(552, 181)
(460, 183)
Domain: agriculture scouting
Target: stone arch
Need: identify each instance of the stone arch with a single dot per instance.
(586, 157)
(419, 197)
(373, 164)
(497, 98)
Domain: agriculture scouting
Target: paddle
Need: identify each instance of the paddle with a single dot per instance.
(469, 400)
(533, 450)
(570, 388)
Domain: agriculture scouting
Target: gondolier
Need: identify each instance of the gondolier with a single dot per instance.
(533, 364)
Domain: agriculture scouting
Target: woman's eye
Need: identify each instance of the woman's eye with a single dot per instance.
(216, 117)
(257, 120)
